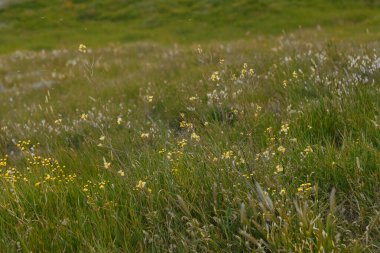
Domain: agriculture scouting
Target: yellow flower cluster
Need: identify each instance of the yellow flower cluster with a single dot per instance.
(308, 150)
(149, 99)
(304, 188)
(182, 143)
(144, 135)
(215, 76)
(185, 124)
(84, 116)
(106, 164)
(195, 137)
(281, 149)
(3, 161)
(23, 145)
(38, 170)
(227, 154)
(285, 128)
(279, 168)
(82, 48)
(141, 185)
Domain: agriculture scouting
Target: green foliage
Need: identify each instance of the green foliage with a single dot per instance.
(233, 147)
(238, 143)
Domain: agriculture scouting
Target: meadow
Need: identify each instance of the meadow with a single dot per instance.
(193, 141)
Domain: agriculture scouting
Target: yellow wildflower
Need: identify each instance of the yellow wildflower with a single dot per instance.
(281, 149)
(82, 48)
(227, 154)
(304, 188)
(308, 150)
(182, 143)
(84, 116)
(284, 128)
(144, 135)
(149, 99)
(215, 76)
(195, 137)
(102, 184)
(279, 168)
(107, 165)
(141, 184)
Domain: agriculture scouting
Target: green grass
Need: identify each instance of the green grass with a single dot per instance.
(58, 24)
(188, 139)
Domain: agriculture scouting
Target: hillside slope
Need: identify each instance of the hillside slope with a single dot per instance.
(46, 24)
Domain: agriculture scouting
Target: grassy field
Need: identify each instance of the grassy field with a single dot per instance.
(218, 134)
(43, 24)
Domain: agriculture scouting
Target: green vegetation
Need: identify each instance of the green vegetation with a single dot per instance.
(47, 24)
(192, 137)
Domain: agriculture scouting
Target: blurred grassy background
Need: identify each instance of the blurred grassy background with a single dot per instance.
(43, 24)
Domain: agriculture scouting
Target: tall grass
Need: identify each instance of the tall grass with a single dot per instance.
(269, 145)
